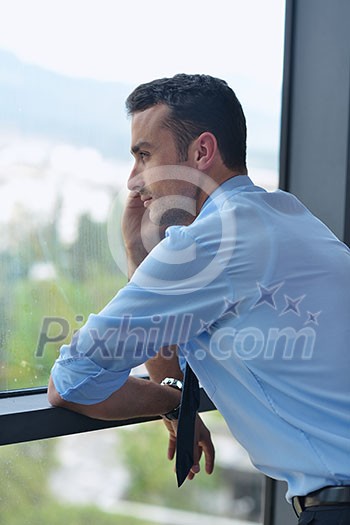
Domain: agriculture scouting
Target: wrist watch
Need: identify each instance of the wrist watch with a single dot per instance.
(173, 415)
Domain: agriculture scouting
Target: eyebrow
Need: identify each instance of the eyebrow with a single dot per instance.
(139, 145)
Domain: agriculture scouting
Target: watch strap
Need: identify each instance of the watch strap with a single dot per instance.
(173, 414)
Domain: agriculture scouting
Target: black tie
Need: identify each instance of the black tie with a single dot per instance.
(185, 426)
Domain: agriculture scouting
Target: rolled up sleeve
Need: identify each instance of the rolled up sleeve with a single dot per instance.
(176, 291)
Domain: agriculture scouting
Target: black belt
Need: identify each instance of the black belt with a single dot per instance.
(327, 496)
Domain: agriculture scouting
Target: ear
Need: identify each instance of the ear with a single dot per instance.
(205, 148)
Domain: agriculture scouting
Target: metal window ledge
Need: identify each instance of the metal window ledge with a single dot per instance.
(26, 415)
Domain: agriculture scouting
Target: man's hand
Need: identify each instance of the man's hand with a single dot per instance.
(131, 231)
(140, 234)
(202, 443)
(166, 364)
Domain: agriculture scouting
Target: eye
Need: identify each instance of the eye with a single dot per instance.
(143, 155)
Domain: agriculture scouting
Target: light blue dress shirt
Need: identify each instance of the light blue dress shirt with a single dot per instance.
(256, 293)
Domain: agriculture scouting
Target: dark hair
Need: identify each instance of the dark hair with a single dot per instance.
(197, 103)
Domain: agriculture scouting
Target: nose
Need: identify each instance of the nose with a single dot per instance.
(135, 182)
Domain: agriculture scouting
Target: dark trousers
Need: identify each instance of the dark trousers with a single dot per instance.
(330, 515)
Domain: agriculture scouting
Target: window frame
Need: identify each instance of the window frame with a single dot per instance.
(26, 415)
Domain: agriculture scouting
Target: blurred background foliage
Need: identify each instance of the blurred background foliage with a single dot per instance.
(28, 497)
(25, 496)
(41, 277)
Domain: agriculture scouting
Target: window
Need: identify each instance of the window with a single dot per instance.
(66, 69)
(123, 475)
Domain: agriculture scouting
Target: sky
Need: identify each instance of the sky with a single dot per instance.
(138, 40)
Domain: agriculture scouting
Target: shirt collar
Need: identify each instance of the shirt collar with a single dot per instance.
(232, 185)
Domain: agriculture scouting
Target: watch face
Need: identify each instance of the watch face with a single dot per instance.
(170, 381)
(174, 383)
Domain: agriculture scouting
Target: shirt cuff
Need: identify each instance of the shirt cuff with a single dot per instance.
(80, 380)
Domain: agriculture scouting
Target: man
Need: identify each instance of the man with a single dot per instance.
(246, 286)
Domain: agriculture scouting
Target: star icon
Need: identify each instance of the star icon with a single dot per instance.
(231, 307)
(267, 295)
(292, 305)
(205, 327)
(312, 318)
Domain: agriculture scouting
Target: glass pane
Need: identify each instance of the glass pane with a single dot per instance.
(122, 476)
(65, 71)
